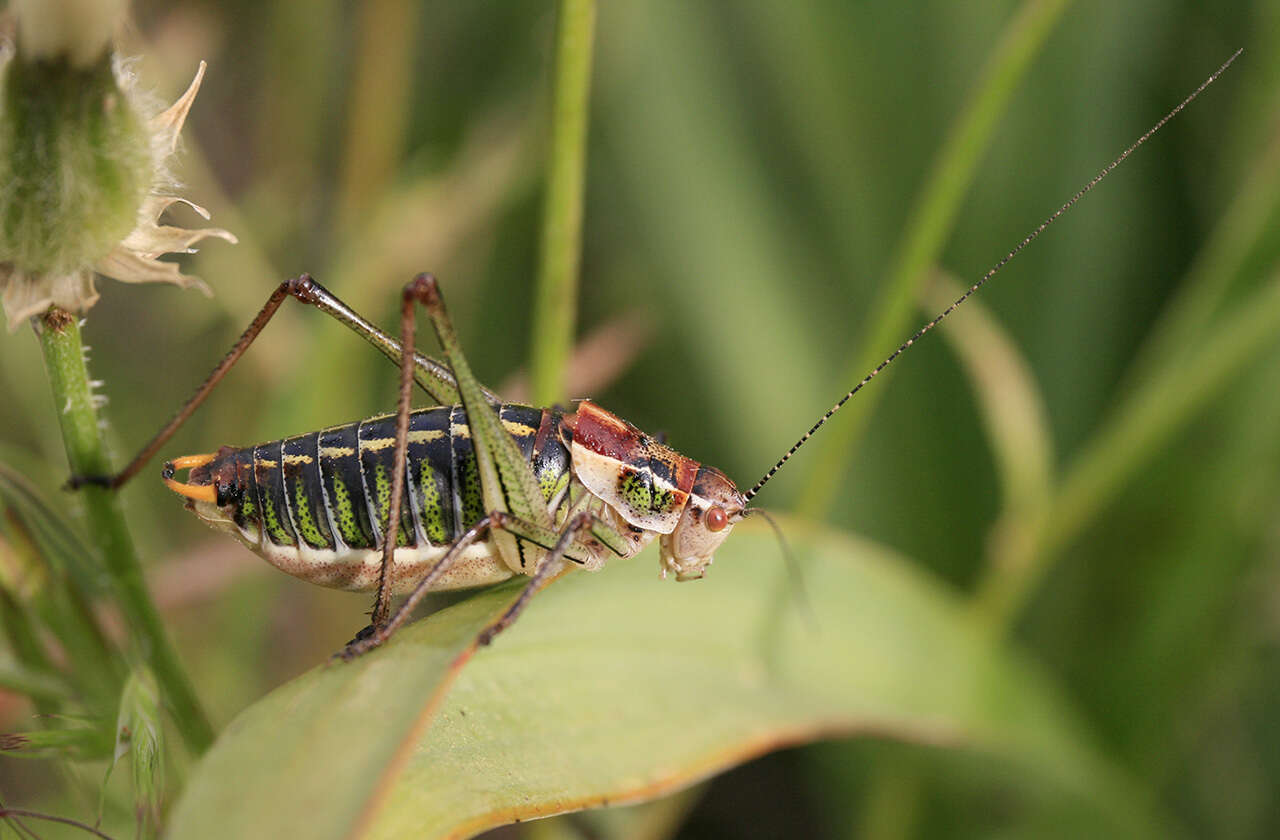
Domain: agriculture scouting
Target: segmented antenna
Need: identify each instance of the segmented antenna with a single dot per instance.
(991, 273)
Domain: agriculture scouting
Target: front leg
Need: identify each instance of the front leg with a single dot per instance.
(552, 563)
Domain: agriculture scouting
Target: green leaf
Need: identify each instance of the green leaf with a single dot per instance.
(617, 687)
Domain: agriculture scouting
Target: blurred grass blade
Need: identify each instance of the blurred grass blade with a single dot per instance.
(1215, 584)
(1246, 225)
(616, 687)
(1014, 418)
(1013, 412)
(555, 308)
(377, 107)
(1144, 422)
(53, 534)
(1017, 431)
(424, 222)
(87, 741)
(32, 682)
(427, 219)
(21, 633)
(70, 583)
(926, 233)
(139, 735)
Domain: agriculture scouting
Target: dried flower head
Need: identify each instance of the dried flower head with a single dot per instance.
(83, 177)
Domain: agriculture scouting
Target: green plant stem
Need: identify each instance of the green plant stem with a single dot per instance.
(1150, 417)
(554, 310)
(926, 232)
(86, 454)
(379, 90)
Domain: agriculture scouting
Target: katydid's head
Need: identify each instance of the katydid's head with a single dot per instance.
(714, 506)
(654, 489)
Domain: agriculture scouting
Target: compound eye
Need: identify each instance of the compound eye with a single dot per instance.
(717, 519)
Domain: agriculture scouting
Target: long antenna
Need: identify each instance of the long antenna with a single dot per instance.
(991, 273)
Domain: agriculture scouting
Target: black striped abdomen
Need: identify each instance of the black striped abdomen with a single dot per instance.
(329, 491)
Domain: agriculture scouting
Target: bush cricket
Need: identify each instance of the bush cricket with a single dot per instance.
(475, 491)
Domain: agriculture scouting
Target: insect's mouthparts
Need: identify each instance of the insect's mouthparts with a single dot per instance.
(197, 492)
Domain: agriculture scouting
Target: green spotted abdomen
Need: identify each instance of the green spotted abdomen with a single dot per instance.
(315, 505)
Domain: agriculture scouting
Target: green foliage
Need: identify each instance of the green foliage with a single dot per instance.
(51, 577)
(140, 736)
(614, 687)
(1093, 487)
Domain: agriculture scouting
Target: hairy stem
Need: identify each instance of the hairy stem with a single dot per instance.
(86, 454)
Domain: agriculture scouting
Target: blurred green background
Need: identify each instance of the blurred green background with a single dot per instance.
(753, 167)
